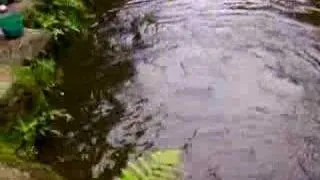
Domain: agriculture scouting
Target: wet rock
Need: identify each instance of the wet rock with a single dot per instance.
(13, 168)
(27, 47)
(21, 5)
(13, 173)
(26, 171)
(6, 79)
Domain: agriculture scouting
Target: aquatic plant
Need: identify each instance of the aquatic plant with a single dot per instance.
(159, 165)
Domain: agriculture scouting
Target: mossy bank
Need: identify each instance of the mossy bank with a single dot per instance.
(28, 76)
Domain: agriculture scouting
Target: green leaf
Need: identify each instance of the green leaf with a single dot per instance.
(160, 165)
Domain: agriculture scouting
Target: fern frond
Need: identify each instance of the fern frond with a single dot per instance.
(160, 165)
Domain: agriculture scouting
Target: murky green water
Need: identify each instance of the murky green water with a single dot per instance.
(237, 81)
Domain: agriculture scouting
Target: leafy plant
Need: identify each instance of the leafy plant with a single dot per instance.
(57, 16)
(32, 81)
(24, 76)
(160, 165)
(40, 74)
(29, 128)
(44, 72)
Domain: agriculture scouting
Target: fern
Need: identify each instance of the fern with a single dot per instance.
(44, 72)
(59, 17)
(160, 165)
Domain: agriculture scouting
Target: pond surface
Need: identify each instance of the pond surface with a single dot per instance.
(234, 82)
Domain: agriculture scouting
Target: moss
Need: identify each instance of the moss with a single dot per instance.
(25, 113)
(37, 171)
(26, 97)
(7, 148)
(20, 99)
(24, 76)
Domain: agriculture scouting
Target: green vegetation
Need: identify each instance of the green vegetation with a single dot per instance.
(160, 165)
(36, 170)
(60, 17)
(26, 114)
(25, 110)
(30, 113)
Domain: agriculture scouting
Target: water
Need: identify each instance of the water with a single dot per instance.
(234, 82)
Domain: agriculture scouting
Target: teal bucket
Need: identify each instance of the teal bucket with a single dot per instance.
(12, 24)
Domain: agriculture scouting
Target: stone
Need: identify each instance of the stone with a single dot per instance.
(20, 6)
(6, 79)
(12, 173)
(26, 47)
(27, 171)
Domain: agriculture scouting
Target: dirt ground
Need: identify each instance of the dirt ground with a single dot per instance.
(8, 173)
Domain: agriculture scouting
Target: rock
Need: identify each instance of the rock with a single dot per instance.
(6, 79)
(13, 168)
(27, 47)
(20, 6)
(12, 173)
(26, 171)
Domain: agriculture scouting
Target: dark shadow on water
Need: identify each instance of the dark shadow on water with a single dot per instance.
(93, 73)
(310, 17)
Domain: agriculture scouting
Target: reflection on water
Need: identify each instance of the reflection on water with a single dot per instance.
(235, 82)
(90, 84)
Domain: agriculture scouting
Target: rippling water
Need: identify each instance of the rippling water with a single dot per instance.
(236, 83)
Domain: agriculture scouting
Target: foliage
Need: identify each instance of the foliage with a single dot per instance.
(32, 81)
(58, 16)
(160, 165)
(40, 73)
(44, 72)
(24, 76)
(35, 170)
(31, 127)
